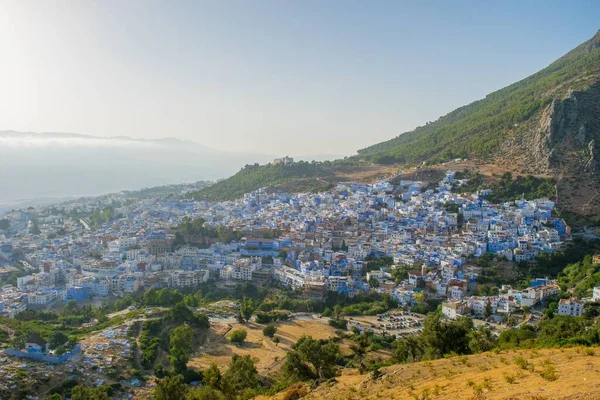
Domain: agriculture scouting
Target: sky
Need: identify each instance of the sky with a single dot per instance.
(279, 77)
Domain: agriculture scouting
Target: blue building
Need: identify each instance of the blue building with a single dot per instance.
(77, 293)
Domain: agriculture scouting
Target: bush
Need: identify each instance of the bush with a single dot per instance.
(521, 362)
(269, 331)
(339, 323)
(295, 392)
(549, 372)
(238, 336)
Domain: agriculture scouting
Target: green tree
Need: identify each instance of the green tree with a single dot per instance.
(238, 336)
(204, 393)
(359, 348)
(70, 306)
(81, 392)
(269, 330)
(488, 309)
(247, 309)
(373, 282)
(409, 349)
(311, 359)
(241, 374)
(481, 340)
(212, 376)
(57, 339)
(181, 338)
(178, 360)
(170, 388)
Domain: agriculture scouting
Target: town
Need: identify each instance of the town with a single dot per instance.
(421, 244)
(322, 243)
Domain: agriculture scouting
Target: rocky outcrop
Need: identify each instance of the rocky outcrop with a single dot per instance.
(567, 133)
(592, 162)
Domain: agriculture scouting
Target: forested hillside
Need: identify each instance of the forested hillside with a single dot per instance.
(479, 129)
(253, 177)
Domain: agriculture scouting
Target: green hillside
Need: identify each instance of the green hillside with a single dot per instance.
(478, 129)
(253, 177)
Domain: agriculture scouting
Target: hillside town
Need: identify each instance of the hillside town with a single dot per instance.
(311, 243)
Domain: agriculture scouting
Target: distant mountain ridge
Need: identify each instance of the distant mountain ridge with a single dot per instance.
(52, 165)
(56, 164)
(115, 140)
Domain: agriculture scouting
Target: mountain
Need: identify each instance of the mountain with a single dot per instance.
(53, 165)
(550, 111)
(297, 177)
(547, 125)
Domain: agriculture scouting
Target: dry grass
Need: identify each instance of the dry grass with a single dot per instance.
(268, 354)
(559, 374)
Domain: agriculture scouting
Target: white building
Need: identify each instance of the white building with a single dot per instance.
(596, 294)
(454, 309)
(183, 279)
(571, 307)
(42, 298)
(23, 281)
(125, 284)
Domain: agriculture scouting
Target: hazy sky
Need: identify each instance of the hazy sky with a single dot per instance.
(293, 77)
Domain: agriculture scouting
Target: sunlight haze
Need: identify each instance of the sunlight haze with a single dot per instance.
(272, 77)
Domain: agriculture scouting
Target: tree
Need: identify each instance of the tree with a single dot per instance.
(181, 338)
(81, 392)
(311, 359)
(488, 309)
(71, 306)
(269, 330)
(204, 393)
(54, 396)
(373, 282)
(238, 336)
(337, 311)
(359, 348)
(178, 360)
(57, 339)
(409, 349)
(170, 388)
(481, 340)
(247, 309)
(212, 376)
(180, 341)
(241, 374)
(4, 224)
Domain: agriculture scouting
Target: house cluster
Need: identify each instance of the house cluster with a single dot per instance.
(500, 306)
(321, 243)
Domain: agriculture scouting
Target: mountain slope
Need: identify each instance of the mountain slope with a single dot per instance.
(547, 125)
(480, 129)
(296, 177)
(481, 376)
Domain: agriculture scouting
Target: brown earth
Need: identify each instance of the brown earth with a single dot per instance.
(268, 354)
(484, 376)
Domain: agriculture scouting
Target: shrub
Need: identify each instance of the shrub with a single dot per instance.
(295, 392)
(590, 352)
(521, 362)
(238, 336)
(549, 372)
(339, 323)
(269, 331)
